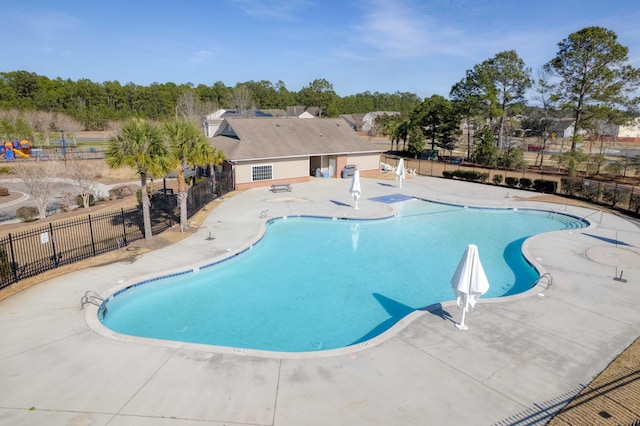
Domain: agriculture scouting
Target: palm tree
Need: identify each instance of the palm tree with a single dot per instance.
(140, 145)
(402, 133)
(389, 129)
(189, 147)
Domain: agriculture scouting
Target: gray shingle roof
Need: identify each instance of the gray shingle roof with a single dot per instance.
(268, 138)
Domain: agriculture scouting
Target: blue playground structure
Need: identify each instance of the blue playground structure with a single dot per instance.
(17, 148)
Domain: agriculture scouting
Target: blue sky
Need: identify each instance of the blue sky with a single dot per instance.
(418, 46)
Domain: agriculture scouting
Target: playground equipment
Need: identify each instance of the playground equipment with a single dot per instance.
(21, 148)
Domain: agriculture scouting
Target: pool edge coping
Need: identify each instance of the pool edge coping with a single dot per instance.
(93, 322)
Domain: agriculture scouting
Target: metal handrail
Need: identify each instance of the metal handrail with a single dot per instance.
(91, 297)
(546, 275)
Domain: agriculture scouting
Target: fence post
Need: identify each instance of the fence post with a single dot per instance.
(14, 264)
(53, 245)
(93, 243)
(124, 228)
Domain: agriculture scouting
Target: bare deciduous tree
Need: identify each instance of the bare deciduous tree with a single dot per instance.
(189, 108)
(241, 98)
(69, 125)
(40, 180)
(84, 176)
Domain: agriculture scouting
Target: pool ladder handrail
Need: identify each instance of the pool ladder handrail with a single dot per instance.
(549, 280)
(91, 297)
(558, 210)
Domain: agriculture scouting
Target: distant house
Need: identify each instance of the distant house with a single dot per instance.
(302, 112)
(276, 112)
(212, 121)
(369, 121)
(563, 128)
(630, 130)
(605, 129)
(354, 120)
(263, 151)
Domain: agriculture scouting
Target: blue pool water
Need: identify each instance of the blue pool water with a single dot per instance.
(315, 284)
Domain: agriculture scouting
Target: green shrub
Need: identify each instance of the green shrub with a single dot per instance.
(497, 179)
(27, 213)
(525, 183)
(470, 175)
(571, 186)
(592, 169)
(79, 202)
(613, 195)
(465, 174)
(445, 173)
(6, 267)
(511, 181)
(6, 170)
(634, 203)
(591, 191)
(614, 170)
(545, 186)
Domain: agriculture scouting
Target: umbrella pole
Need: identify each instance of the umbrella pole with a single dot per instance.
(462, 325)
(356, 207)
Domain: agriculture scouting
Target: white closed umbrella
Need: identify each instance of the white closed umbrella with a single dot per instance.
(355, 190)
(469, 282)
(400, 172)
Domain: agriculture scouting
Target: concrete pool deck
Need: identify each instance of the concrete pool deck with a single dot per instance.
(520, 360)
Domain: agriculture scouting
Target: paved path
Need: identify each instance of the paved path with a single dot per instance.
(8, 209)
(522, 359)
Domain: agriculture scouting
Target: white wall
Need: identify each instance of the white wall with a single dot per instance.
(282, 169)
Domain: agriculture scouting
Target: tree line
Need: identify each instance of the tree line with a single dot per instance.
(93, 106)
(589, 80)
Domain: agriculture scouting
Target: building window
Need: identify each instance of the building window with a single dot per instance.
(261, 172)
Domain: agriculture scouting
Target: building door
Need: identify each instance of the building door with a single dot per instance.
(332, 167)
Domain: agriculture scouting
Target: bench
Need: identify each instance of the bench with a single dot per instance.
(277, 187)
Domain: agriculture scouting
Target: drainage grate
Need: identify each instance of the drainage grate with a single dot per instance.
(604, 415)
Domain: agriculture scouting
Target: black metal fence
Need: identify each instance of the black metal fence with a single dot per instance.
(42, 248)
(618, 196)
(613, 195)
(34, 251)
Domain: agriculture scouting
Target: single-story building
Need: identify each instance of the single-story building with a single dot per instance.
(564, 128)
(263, 151)
(630, 131)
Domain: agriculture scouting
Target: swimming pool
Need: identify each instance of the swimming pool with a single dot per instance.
(315, 284)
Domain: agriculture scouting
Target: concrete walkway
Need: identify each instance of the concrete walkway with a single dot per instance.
(522, 359)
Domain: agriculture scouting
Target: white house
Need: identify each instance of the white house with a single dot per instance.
(631, 129)
(564, 128)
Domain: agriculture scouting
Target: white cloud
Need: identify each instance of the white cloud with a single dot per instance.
(271, 9)
(200, 57)
(401, 29)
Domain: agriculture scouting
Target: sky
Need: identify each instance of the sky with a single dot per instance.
(417, 46)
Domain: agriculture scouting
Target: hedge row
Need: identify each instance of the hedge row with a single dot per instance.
(469, 175)
(540, 185)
